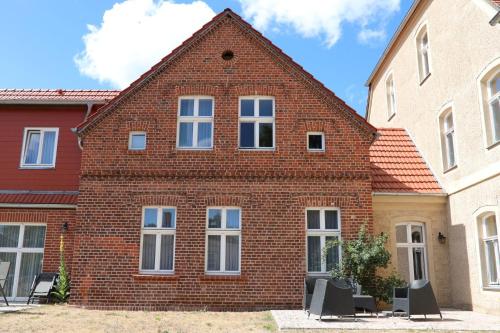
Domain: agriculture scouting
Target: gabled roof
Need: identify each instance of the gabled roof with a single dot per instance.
(162, 64)
(9, 198)
(56, 96)
(398, 167)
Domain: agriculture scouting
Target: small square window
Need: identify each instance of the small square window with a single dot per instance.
(137, 141)
(315, 142)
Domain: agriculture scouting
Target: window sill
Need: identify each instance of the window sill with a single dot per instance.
(257, 149)
(493, 145)
(322, 151)
(194, 149)
(155, 277)
(422, 81)
(34, 167)
(391, 116)
(450, 169)
(315, 274)
(492, 288)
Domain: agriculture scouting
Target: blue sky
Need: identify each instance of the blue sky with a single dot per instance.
(41, 39)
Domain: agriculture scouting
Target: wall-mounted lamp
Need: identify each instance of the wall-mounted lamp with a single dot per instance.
(64, 227)
(441, 238)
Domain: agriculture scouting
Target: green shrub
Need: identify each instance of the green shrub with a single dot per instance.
(62, 288)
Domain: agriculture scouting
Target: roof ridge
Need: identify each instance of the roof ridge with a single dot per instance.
(55, 90)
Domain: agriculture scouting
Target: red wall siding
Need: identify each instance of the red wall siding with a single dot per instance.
(13, 120)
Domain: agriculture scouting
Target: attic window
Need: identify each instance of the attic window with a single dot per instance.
(227, 55)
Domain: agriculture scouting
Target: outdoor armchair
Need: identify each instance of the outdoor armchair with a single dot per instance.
(4, 272)
(42, 286)
(417, 299)
(330, 298)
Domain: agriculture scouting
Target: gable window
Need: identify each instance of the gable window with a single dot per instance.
(411, 252)
(39, 147)
(423, 51)
(489, 248)
(391, 97)
(223, 242)
(256, 122)
(195, 125)
(157, 240)
(137, 141)
(316, 141)
(323, 226)
(448, 139)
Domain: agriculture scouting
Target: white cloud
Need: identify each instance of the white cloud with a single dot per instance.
(369, 35)
(134, 35)
(320, 18)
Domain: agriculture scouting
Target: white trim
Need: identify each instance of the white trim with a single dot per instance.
(223, 232)
(484, 107)
(131, 134)
(491, 171)
(322, 233)
(195, 119)
(422, 30)
(479, 215)
(410, 246)
(446, 111)
(38, 165)
(313, 150)
(390, 95)
(158, 231)
(256, 120)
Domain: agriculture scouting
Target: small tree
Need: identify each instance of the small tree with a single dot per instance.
(62, 288)
(361, 258)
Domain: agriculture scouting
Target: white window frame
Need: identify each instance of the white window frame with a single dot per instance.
(485, 98)
(491, 98)
(42, 131)
(19, 250)
(158, 231)
(257, 120)
(195, 119)
(423, 51)
(223, 231)
(131, 134)
(409, 246)
(447, 111)
(323, 233)
(313, 150)
(484, 240)
(391, 96)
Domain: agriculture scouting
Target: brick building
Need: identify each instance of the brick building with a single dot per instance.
(216, 178)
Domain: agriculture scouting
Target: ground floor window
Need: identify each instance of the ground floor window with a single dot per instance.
(223, 242)
(411, 251)
(157, 240)
(323, 226)
(490, 250)
(22, 245)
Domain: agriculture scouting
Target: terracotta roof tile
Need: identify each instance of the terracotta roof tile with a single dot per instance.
(27, 197)
(397, 165)
(56, 95)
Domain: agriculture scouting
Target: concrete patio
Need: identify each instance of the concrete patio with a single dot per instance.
(453, 320)
(14, 307)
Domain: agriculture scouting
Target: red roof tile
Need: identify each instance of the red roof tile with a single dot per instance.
(397, 165)
(55, 95)
(27, 197)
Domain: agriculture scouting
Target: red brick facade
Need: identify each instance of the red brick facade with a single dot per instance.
(272, 188)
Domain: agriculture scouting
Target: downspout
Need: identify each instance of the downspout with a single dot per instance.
(87, 114)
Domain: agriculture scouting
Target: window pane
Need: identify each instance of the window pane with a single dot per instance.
(168, 218)
(31, 265)
(232, 253)
(138, 141)
(418, 263)
(205, 108)
(167, 252)
(495, 114)
(204, 134)
(495, 85)
(448, 122)
(492, 260)
(34, 236)
(451, 149)
(9, 235)
(247, 135)
(214, 218)
(401, 236)
(8, 284)
(331, 219)
(148, 251)
(150, 216)
(313, 254)
(332, 255)
(490, 226)
(49, 140)
(213, 252)
(187, 107)
(403, 264)
(186, 135)
(265, 135)
(266, 107)
(33, 143)
(313, 219)
(233, 219)
(315, 141)
(247, 108)
(417, 234)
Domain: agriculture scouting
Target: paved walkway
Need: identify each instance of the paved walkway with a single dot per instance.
(14, 307)
(453, 320)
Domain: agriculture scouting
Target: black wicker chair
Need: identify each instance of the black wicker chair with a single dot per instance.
(331, 299)
(417, 299)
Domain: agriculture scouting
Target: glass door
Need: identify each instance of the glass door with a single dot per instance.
(22, 245)
(411, 252)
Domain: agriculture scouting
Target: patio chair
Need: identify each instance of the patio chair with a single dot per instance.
(309, 283)
(331, 299)
(417, 299)
(361, 302)
(4, 272)
(42, 286)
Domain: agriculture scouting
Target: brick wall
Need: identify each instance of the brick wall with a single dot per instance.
(273, 188)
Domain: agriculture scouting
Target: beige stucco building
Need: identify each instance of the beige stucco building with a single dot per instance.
(439, 79)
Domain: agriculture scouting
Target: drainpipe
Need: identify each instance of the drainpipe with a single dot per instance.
(87, 114)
